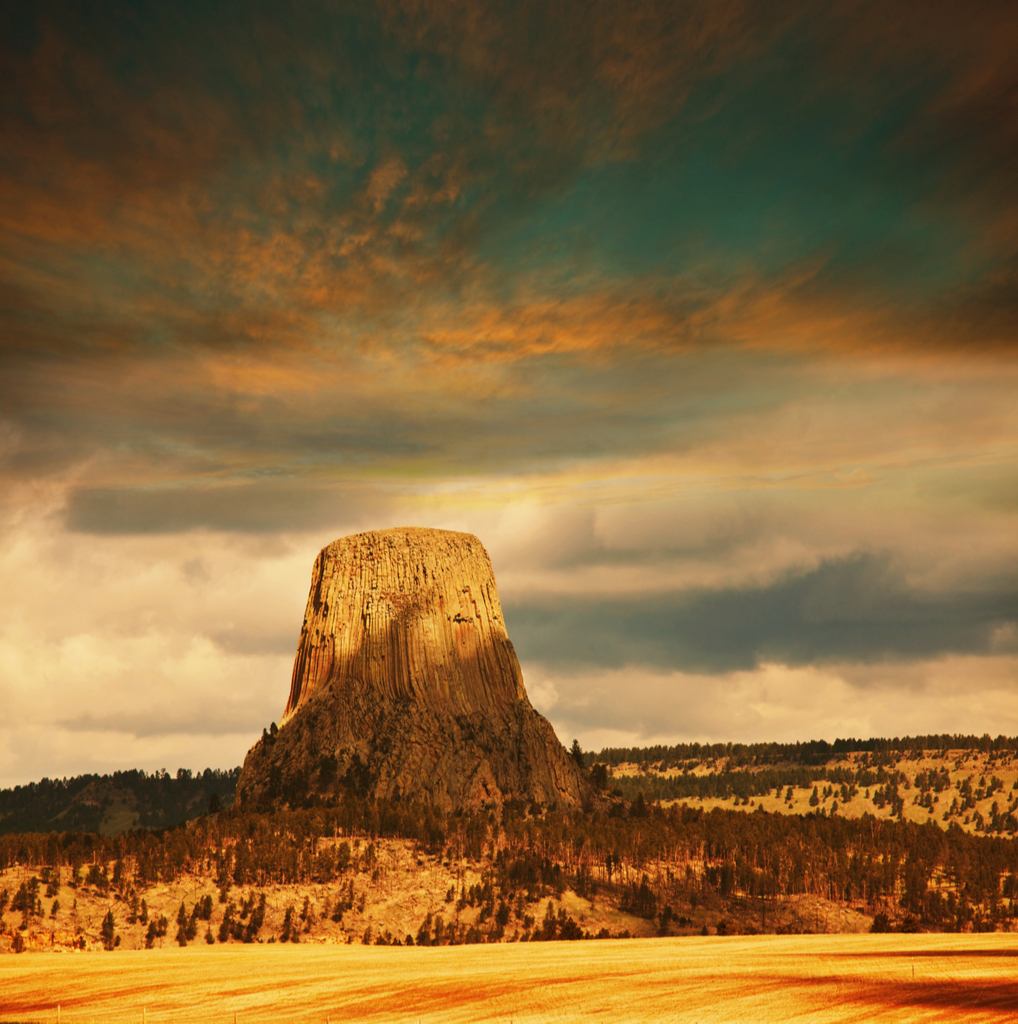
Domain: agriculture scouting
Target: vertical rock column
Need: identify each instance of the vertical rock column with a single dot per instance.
(410, 613)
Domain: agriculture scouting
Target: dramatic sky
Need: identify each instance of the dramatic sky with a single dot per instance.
(703, 316)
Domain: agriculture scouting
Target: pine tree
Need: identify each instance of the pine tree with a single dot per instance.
(107, 930)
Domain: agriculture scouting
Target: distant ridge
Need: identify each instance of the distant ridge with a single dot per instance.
(810, 752)
(109, 804)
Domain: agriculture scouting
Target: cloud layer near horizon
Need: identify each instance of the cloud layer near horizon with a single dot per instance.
(703, 318)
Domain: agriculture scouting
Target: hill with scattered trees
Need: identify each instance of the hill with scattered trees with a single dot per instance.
(962, 781)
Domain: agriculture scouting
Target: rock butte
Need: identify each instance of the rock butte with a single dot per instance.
(406, 685)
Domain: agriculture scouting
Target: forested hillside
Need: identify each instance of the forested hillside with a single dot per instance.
(700, 840)
(114, 803)
(360, 869)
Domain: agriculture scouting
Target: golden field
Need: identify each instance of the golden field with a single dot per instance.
(757, 978)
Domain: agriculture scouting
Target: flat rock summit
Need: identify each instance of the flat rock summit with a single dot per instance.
(406, 685)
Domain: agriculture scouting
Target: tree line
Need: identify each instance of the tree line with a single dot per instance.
(812, 752)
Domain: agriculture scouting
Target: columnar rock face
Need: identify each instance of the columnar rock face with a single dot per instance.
(406, 684)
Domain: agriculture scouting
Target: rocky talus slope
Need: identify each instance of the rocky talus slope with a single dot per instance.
(406, 685)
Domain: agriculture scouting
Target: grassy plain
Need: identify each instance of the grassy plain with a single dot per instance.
(751, 978)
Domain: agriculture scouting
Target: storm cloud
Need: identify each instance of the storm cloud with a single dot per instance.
(857, 609)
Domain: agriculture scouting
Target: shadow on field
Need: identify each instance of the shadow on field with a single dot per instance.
(927, 954)
(944, 995)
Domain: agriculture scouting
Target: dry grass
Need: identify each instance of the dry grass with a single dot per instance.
(767, 978)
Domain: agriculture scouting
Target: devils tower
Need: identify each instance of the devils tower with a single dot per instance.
(406, 685)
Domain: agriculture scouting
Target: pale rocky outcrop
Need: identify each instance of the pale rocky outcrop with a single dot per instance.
(406, 676)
